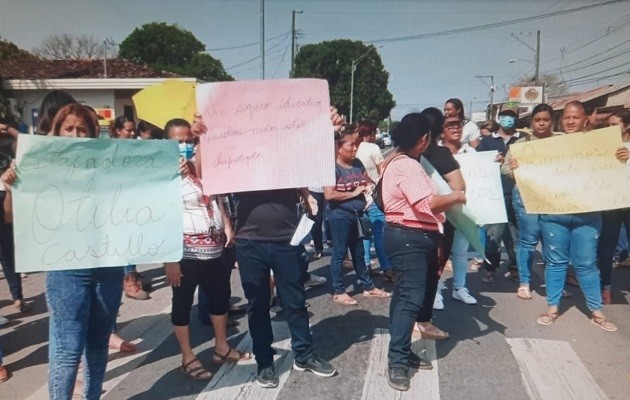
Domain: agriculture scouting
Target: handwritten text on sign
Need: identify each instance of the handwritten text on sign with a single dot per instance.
(484, 192)
(81, 203)
(572, 173)
(266, 135)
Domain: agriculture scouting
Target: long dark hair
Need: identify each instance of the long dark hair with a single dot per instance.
(459, 106)
(51, 103)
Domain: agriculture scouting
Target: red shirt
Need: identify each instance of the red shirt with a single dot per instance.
(406, 192)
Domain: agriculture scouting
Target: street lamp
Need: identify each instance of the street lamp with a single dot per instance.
(354, 68)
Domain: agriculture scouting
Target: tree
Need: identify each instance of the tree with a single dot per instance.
(333, 61)
(9, 51)
(171, 48)
(552, 83)
(71, 47)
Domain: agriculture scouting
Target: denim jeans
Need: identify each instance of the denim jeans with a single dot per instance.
(572, 238)
(459, 258)
(256, 259)
(612, 221)
(411, 253)
(528, 237)
(83, 306)
(316, 230)
(130, 268)
(495, 233)
(377, 218)
(345, 235)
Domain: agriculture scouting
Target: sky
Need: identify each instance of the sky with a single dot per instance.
(585, 49)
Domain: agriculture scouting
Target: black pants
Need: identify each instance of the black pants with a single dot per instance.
(316, 230)
(7, 258)
(434, 270)
(214, 280)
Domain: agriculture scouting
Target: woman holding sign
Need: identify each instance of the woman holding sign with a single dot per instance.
(207, 229)
(83, 303)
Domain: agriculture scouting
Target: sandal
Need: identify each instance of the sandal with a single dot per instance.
(603, 323)
(376, 292)
(5, 374)
(524, 293)
(22, 306)
(547, 318)
(345, 299)
(431, 332)
(225, 358)
(197, 373)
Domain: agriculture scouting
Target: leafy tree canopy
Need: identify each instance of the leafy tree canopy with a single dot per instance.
(172, 48)
(332, 60)
(9, 51)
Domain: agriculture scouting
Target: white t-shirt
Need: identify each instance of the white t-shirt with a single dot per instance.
(371, 156)
(470, 132)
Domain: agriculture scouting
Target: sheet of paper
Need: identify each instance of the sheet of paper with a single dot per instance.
(82, 203)
(303, 229)
(264, 135)
(572, 173)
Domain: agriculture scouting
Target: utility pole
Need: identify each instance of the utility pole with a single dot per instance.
(262, 39)
(537, 74)
(293, 41)
(481, 78)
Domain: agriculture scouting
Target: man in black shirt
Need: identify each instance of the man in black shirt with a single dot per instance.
(265, 223)
(506, 232)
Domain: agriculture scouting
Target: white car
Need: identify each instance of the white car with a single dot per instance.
(387, 140)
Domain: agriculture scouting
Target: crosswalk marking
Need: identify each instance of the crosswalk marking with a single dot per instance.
(424, 384)
(550, 369)
(238, 381)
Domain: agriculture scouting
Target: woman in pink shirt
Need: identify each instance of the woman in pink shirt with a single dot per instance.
(414, 214)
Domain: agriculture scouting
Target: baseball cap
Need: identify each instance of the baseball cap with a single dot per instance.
(509, 107)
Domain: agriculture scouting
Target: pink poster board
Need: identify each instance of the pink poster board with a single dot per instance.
(263, 135)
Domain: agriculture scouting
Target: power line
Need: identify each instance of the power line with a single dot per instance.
(598, 62)
(241, 46)
(591, 57)
(495, 24)
(591, 80)
(286, 36)
(597, 73)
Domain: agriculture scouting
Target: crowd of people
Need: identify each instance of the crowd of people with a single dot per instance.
(388, 203)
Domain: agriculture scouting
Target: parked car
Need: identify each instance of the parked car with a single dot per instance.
(386, 139)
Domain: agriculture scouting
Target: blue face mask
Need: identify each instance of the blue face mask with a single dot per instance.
(507, 121)
(186, 150)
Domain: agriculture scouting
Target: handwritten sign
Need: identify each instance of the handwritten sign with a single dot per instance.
(484, 192)
(461, 218)
(572, 173)
(81, 203)
(266, 135)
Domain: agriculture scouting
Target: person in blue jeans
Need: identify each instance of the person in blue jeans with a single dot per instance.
(347, 201)
(528, 228)
(5, 374)
(573, 238)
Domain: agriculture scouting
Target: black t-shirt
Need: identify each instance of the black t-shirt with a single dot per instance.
(268, 215)
(441, 158)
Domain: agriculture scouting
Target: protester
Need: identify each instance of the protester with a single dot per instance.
(51, 103)
(506, 232)
(413, 238)
(573, 238)
(316, 229)
(347, 202)
(83, 303)
(146, 130)
(451, 139)
(122, 127)
(372, 159)
(528, 228)
(470, 135)
(207, 229)
(488, 128)
(612, 221)
(5, 374)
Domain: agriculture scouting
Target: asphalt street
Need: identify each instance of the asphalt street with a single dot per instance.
(496, 349)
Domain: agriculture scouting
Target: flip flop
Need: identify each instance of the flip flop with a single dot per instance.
(524, 293)
(225, 358)
(605, 324)
(345, 299)
(197, 373)
(547, 319)
(376, 292)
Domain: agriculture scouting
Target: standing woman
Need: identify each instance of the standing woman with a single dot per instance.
(83, 303)
(207, 229)
(346, 200)
(122, 127)
(470, 132)
(528, 228)
(414, 215)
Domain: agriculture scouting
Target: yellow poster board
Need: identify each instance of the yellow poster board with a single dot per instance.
(572, 173)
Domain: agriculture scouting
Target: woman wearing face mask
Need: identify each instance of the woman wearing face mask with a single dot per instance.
(528, 229)
(83, 303)
(207, 229)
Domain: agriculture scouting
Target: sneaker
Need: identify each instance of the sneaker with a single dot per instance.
(398, 379)
(267, 377)
(512, 275)
(314, 280)
(463, 295)
(3, 320)
(316, 365)
(438, 303)
(488, 277)
(276, 306)
(416, 362)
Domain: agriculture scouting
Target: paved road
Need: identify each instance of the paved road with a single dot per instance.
(496, 350)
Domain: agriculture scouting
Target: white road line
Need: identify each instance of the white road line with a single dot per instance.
(238, 381)
(550, 369)
(153, 328)
(424, 384)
